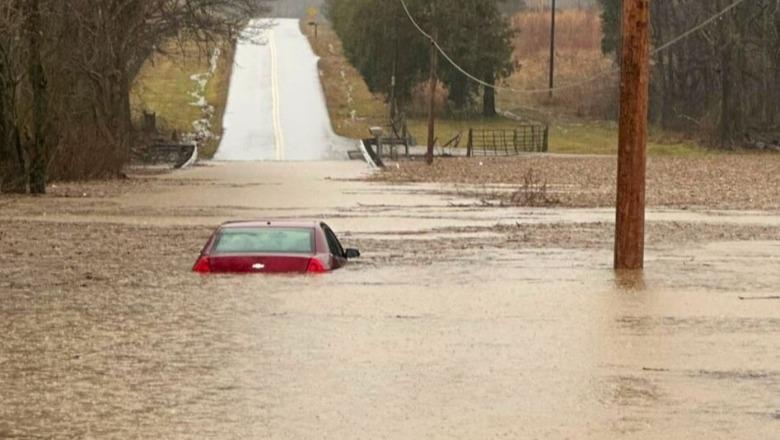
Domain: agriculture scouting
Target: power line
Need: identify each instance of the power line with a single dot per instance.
(697, 28)
(438, 47)
(603, 74)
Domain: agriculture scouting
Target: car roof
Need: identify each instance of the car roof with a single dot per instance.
(271, 224)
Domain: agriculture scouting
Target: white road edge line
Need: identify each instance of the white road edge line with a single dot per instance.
(277, 123)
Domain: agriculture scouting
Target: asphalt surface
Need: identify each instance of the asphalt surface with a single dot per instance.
(276, 107)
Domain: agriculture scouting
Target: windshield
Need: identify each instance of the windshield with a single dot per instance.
(265, 240)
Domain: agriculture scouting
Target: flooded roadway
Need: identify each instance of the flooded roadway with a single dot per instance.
(449, 327)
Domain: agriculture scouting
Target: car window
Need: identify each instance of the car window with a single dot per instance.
(265, 240)
(333, 242)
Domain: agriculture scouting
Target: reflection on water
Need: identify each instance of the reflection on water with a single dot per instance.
(630, 280)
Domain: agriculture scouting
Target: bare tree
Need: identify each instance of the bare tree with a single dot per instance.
(39, 87)
(12, 163)
(65, 109)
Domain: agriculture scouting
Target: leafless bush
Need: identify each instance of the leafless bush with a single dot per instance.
(421, 97)
(533, 193)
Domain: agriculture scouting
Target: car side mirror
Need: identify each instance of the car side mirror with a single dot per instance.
(351, 253)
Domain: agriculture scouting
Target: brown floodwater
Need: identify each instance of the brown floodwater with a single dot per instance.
(106, 333)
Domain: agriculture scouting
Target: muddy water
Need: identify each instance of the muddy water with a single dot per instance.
(107, 335)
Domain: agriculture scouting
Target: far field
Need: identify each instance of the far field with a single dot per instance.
(354, 109)
(575, 117)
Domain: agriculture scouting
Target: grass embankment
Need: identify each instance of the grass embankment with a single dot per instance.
(353, 108)
(164, 86)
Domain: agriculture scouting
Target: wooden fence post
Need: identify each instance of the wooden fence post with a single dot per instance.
(470, 145)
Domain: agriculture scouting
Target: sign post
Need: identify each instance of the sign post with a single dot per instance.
(312, 12)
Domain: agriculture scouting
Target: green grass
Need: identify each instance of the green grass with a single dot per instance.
(447, 128)
(592, 137)
(598, 137)
(164, 86)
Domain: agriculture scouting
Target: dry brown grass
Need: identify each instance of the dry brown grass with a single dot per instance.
(578, 57)
(574, 29)
(715, 181)
(590, 100)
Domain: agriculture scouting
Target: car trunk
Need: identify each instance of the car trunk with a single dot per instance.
(259, 263)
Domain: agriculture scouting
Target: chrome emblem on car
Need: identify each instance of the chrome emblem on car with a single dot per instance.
(258, 266)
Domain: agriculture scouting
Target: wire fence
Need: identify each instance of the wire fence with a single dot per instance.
(526, 138)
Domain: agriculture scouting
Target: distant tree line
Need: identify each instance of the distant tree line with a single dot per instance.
(560, 4)
(66, 70)
(379, 40)
(293, 8)
(723, 80)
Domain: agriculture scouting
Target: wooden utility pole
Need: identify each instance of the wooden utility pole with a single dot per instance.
(632, 142)
(432, 101)
(552, 49)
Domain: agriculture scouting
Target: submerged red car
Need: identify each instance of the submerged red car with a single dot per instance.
(273, 247)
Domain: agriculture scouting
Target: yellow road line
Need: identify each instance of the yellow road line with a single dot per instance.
(277, 122)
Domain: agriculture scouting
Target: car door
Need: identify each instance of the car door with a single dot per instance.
(336, 250)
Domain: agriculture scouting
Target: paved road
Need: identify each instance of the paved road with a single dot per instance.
(276, 108)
